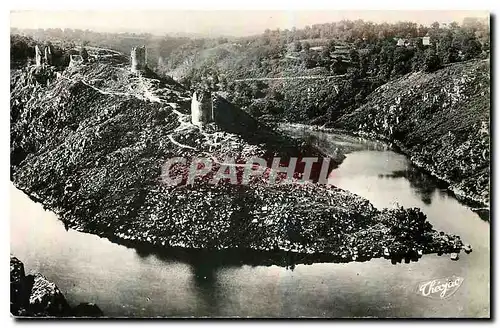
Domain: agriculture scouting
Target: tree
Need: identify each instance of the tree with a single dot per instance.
(311, 59)
(486, 46)
(21, 48)
(417, 61)
(386, 61)
(453, 25)
(365, 64)
(257, 88)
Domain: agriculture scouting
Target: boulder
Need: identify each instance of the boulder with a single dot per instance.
(201, 108)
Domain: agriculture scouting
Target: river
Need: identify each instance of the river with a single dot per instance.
(125, 282)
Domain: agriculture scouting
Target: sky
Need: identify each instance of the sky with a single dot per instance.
(218, 22)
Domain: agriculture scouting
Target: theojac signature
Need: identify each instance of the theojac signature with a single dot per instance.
(440, 288)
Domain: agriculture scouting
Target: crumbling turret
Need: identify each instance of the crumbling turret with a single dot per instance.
(75, 60)
(48, 55)
(138, 58)
(38, 56)
(202, 108)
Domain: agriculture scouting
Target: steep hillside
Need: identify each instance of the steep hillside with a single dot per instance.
(440, 119)
(90, 143)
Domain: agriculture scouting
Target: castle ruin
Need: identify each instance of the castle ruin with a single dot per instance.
(38, 56)
(75, 60)
(201, 108)
(48, 55)
(43, 58)
(138, 58)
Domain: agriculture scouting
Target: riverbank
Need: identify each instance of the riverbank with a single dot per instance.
(441, 120)
(34, 296)
(473, 201)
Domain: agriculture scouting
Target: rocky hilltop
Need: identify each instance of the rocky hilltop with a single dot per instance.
(35, 296)
(90, 142)
(441, 120)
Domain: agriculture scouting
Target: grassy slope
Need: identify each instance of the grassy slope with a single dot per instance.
(90, 145)
(440, 119)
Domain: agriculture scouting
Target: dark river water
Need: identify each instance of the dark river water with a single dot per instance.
(124, 282)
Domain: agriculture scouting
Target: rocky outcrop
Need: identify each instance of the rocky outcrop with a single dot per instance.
(38, 56)
(35, 296)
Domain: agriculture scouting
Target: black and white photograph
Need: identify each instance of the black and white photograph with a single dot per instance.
(250, 164)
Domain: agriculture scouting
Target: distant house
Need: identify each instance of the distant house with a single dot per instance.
(426, 41)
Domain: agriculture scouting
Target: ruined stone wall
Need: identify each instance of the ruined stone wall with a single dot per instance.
(43, 57)
(138, 58)
(201, 108)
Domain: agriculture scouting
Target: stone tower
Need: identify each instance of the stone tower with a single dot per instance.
(75, 60)
(138, 58)
(201, 108)
(38, 56)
